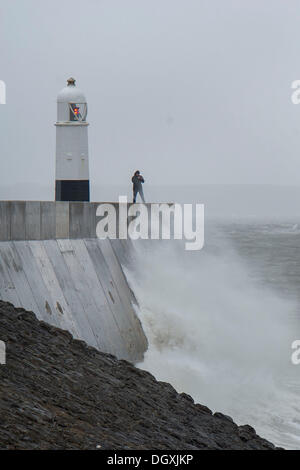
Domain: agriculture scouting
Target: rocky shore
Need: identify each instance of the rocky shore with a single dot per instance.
(59, 393)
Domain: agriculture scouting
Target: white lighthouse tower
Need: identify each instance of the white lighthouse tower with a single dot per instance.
(72, 160)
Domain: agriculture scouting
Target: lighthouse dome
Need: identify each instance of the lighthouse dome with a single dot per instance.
(71, 94)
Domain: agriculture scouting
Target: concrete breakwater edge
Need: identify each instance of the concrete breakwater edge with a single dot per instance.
(52, 264)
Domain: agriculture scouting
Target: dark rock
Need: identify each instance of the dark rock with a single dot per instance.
(59, 393)
(224, 417)
(203, 408)
(187, 397)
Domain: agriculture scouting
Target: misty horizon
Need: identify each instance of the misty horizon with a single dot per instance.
(187, 94)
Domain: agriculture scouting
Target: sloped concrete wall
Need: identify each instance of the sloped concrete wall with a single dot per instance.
(73, 282)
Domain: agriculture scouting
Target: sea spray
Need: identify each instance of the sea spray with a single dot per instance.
(216, 335)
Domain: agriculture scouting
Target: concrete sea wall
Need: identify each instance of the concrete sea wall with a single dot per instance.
(52, 264)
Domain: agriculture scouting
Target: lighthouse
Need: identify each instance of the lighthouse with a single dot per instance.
(72, 160)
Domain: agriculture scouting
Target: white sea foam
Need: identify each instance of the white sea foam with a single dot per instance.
(214, 334)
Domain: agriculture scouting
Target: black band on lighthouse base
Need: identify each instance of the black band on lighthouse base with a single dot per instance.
(72, 190)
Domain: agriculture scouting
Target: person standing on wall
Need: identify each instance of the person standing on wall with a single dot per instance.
(137, 181)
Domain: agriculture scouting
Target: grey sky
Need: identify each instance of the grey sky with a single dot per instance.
(190, 91)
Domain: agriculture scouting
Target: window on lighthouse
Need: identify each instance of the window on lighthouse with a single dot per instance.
(78, 111)
(74, 112)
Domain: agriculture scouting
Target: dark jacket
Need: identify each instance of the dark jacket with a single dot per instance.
(137, 181)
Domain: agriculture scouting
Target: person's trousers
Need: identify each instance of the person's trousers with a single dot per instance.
(140, 192)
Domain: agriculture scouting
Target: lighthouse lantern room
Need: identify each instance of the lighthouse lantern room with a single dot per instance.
(72, 163)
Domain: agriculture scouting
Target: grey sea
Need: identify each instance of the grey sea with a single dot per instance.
(221, 322)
